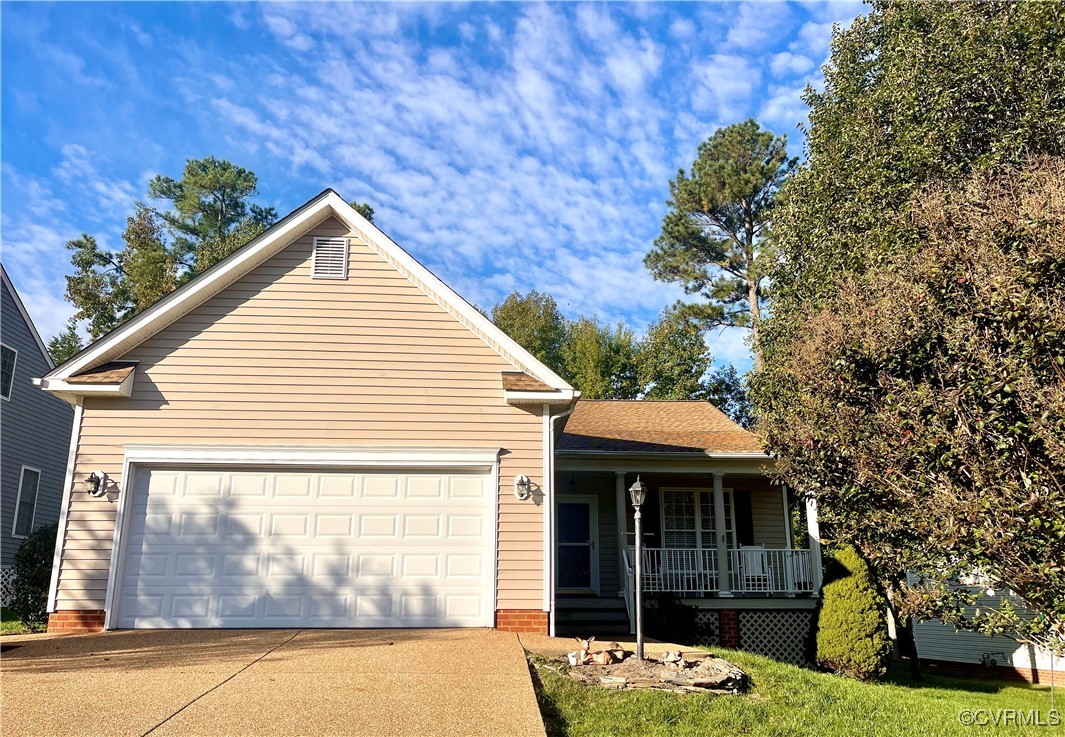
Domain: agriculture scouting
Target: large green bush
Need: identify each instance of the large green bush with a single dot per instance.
(33, 572)
(852, 637)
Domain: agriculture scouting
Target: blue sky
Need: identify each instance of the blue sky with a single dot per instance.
(505, 145)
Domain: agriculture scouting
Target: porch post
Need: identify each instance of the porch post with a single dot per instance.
(720, 532)
(619, 511)
(813, 536)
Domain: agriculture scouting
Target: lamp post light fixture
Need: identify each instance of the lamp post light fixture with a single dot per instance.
(638, 492)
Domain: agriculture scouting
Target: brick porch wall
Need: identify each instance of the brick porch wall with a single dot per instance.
(522, 620)
(729, 622)
(76, 621)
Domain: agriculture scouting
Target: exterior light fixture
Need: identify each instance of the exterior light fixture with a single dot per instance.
(572, 484)
(638, 493)
(522, 487)
(94, 484)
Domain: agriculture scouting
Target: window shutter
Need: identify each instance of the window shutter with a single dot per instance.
(330, 260)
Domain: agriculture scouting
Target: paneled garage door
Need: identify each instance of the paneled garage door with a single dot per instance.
(263, 548)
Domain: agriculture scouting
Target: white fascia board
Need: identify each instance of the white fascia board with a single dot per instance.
(194, 293)
(65, 389)
(446, 297)
(264, 455)
(524, 397)
(26, 317)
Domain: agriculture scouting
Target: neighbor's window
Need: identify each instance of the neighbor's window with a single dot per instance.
(7, 370)
(27, 501)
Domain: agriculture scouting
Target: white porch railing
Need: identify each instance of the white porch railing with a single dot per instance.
(752, 570)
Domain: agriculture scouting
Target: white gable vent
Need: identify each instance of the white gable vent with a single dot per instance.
(330, 260)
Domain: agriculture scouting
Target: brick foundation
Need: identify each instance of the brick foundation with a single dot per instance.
(729, 622)
(1006, 672)
(522, 620)
(76, 621)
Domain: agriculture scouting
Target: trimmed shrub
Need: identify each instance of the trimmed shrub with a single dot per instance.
(852, 637)
(33, 573)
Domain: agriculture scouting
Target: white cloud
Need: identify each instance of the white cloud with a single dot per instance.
(784, 107)
(789, 64)
(759, 25)
(813, 39)
(681, 28)
(731, 346)
(726, 85)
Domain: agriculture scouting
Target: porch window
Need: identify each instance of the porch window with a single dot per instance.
(688, 519)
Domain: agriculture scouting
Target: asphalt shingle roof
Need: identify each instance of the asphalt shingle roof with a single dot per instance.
(639, 426)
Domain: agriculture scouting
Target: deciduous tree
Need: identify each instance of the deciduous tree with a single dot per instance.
(914, 372)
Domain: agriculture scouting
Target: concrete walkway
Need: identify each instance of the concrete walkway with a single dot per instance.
(268, 682)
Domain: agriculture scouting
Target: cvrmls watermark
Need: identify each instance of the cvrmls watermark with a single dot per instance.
(1010, 718)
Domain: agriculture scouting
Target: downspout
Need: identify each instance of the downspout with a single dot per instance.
(550, 430)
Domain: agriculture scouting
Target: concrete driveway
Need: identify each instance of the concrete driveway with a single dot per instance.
(268, 682)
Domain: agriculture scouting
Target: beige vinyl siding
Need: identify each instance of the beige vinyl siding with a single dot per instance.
(281, 358)
(767, 514)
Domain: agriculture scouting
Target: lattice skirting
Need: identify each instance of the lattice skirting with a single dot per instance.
(709, 629)
(7, 585)
(776, 633)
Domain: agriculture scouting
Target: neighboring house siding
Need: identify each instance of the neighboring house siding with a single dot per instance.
(34, 430)
(938, 641)
(280, 358)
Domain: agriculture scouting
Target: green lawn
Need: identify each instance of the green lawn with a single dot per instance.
(786, 700)
(10, 624)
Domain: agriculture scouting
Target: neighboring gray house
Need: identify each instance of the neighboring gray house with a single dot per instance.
(34, 433)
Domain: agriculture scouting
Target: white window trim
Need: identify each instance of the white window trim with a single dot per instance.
(139, 457)
(18, 502)
(14, 365)
(332, 241)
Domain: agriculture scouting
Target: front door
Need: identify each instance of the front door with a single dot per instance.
(577, 562)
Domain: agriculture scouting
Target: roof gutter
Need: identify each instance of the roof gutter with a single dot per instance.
(694, 455)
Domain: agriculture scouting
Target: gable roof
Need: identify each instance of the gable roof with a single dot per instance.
(25, 316)
(642, 426)
(328, 204)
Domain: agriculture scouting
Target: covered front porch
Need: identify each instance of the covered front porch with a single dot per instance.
(717, 533)
(704, 535)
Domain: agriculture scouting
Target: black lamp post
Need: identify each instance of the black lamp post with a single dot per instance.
(638, 492)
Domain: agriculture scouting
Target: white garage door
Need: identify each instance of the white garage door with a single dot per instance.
(261, 548)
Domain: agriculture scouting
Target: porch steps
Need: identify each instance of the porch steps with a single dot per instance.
(590, 615)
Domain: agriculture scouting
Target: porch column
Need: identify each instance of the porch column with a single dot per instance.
(619, 512)
(813, 536)
(720, 532)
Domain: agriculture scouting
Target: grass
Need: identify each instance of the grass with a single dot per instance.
(787, 700)
(10, 624)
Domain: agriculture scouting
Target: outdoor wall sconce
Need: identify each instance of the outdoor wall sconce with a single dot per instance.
(522, 487)
(94, 484)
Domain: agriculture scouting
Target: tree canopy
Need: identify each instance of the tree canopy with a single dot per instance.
(913, 377)
(671, 361)
(719, 211)
(211, 215)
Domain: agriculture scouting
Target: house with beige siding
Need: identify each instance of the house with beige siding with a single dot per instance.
(318, 432)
